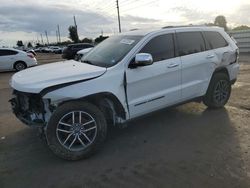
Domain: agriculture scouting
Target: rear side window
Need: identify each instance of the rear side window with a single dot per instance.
(7, 52)
(190, 43)
(214, 40)
(160, 47)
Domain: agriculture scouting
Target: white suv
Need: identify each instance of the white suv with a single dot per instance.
(122, 78)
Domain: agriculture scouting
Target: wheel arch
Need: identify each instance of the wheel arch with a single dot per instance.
(221, 70)
(216, 71)
(108, 103)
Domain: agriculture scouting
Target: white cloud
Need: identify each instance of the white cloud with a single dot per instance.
(27, 19)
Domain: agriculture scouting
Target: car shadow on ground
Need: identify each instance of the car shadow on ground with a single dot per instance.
(186, 146)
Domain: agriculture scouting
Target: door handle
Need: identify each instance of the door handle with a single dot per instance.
(210, 56)
(173, 65)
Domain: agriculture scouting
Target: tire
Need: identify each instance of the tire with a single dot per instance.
(61, 136)
(19, 65)
(218, 92)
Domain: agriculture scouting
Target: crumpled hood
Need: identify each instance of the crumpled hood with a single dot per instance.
(34, 80)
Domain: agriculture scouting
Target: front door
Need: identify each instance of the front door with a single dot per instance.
(155, 86)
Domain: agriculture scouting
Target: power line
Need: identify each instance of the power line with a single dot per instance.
(128, 2)
(141, 5)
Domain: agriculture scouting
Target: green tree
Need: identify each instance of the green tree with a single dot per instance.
(221, 22)
(38, 44)
(100, 39)
(29, 45)
(73, 35)
(87, 40)
(242, 27)
(19, 43)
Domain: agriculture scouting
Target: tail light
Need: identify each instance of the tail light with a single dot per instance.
(30, 55)
(235, 57)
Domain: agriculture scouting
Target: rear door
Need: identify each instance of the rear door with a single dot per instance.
(223, 52)
(197, 63)
(158, 85)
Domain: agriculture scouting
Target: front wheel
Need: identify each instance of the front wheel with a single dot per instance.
(218, 92)
(76, 130)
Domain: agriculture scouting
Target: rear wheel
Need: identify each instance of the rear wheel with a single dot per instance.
(218, 92)
(76, 130)
(20, 66)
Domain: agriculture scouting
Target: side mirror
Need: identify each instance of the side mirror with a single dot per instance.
(142, 59)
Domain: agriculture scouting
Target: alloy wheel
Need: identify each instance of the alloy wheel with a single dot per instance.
(221, 92)
(76, 130)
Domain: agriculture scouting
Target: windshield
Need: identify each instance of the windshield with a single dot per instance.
(111, 51)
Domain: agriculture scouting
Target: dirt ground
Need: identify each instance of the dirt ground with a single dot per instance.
(185, 146)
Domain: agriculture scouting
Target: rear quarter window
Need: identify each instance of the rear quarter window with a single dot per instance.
(214, 40)
(7, 52)
(190, 43)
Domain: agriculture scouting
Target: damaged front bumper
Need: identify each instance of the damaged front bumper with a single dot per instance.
(29, 108)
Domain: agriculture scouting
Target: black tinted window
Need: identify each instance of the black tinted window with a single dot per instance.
(214, 40)
(7, 52)
(160, 47)
(88, 46)
(190, 42)
(78, 46)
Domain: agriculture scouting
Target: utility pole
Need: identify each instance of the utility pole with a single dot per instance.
(47, 37)
(59, 35)
(76, 27)
(118, 12)
(42, 38)
(56, 37)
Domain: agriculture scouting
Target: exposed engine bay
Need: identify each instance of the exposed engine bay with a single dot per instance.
(30, 108)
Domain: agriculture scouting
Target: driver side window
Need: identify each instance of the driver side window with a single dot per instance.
(160, 47)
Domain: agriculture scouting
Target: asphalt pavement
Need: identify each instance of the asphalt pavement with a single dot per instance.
(184, 146)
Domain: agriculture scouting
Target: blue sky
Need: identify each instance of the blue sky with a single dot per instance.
(27, 19)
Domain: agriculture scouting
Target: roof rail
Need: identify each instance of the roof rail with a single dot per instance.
(177, 26)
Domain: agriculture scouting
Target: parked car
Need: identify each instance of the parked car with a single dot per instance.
(39, 49)
(46, 50)
(11, 58)
(124, 77)
(58, 50)
(80, 54)
(70, 51)
(53, 49)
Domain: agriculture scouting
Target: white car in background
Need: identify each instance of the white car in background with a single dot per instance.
(80, 54)
(11, 58)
